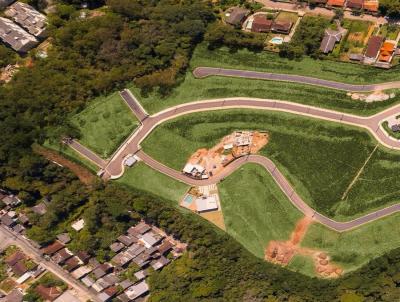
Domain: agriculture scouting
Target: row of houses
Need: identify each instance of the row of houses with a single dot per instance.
(370, 6)
(143, 246)
(24, 27)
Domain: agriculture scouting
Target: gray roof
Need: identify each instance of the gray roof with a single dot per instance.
(137, 290)
(235, 15)
(28, 17)
(5, 3)
(329, 40)
(67, 296)
(40, 208)
(18, 39)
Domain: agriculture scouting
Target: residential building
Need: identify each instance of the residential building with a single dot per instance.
(52, 248)
(282, 27)
(372, 51)
(261, 24)
(235, 15)
(355, 4)
(21, 41)
(78, 225)
(67, 296)
(336, 3)
(206, 204)
(5, 3)
(29, 18)
(150, 239)
(331, 37)
(40, 209)
(64, 238)
(386, 51)
(61, 256)
(47, 293)
(136, 291)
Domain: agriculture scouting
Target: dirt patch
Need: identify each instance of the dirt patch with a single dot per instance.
(206, 163)
(377, 96)
(215, 217)
(83, 174)
(282, 252)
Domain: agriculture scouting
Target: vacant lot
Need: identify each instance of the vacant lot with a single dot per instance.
(355, 248)
(319, 158)
(255, 209)
(144, 178)
(357, 36)
(264, 61)
(192, 89)
(104, 124)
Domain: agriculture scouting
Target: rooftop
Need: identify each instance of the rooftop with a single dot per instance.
(28, 17)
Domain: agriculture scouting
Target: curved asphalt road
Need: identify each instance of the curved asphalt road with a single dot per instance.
(115, 168)
(202, 72)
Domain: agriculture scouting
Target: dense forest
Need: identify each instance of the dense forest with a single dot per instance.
(150, 42)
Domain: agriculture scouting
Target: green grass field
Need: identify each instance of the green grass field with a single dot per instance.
(104, 124)
(355, 248)
(319, 158)
(144, 178)
(191, 89)
(302, 264)
(255, 209)
(389, 131)
(270, 62)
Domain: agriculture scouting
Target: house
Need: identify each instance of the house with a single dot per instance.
(100, 285)
(139, 229)
(117, 246)
(371, 6)
(87, 281)
(282, 27)
(78, 225)
(15, 296)
(19, 268)
(386, 52)
(103, 297)
(23, 219)
(5, 3)
(373, 47)
(331, 37)
(102, 270)
(125, 284)
(126, 240)
(67, 296)
(336, 3)
(61, 256)
(18, 229)
(206, 204)
(83, 257)
(235, 15)
(261, 24)
(10, 200)
(72, 263)
(14, 258)
(7, 221)
(160, 263)
(142, 260)
(64, 238)
(356, 57)
(81, 272)
(40, 209)
(150, 239)
(25, 277)
(140, 275)
(28, 18)
(52, 248)
(137, 290)
(318, 2)
(165, 247)
(47, 293)
(355, 4)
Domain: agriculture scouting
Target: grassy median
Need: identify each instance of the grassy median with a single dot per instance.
(321, 159)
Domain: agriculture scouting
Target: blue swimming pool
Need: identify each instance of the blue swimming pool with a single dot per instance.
(188, 200)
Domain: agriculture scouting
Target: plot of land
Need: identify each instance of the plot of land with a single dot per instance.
(319, 158)
(358, 34)
(104, 124)
(146, 179)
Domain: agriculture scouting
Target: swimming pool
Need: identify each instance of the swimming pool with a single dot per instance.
(276, 40)
(187, 201)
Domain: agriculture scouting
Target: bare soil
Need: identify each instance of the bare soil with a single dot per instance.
(82, 173)
(282, 252)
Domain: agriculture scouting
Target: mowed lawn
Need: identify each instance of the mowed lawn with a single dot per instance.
(319, 158)
(355, 248)
(144, 178)
(191, 89)
(104, 124)
(270, 62)
(255, 209)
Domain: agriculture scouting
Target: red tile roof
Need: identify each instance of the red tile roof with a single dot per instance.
(336, 3)
(47, 293)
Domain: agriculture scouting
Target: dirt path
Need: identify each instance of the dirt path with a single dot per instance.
(83, 174)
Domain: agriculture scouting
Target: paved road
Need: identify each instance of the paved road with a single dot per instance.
(87, 153)
(115, 168)
(133, 104)
(25, 245)
(202, 72)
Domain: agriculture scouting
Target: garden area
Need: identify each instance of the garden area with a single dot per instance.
(389, 31)
(357, 36)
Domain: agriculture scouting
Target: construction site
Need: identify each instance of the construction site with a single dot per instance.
(205, 163)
